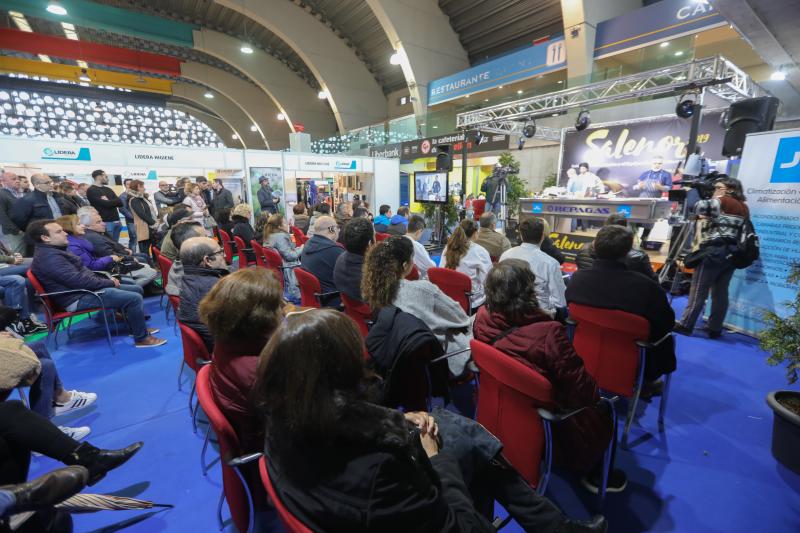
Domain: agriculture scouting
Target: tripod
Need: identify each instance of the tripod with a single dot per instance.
(676, 253)
(500, 196)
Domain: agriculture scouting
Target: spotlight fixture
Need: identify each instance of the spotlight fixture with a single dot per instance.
(778, 75)
(529, 130)
(56, 8)
(685, 108)
(583, 120)
(246, 49)
(322, 95)
(395, 59)
(209, 94)
(664, 44)
(253, 128)
(281, 116)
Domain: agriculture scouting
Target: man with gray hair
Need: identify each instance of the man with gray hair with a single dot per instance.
(320, 254)
(203, 261)
(13, 236)
(38, 205)
(164, 197)
(488, 237)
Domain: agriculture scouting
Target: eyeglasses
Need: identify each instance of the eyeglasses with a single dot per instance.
(333, 229)
(214, 254)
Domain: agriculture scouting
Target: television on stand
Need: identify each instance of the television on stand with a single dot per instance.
(431, 187)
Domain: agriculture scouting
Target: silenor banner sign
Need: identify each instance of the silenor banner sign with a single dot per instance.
(770, 175)
(569, 244)
(620, 153)
(419, 148)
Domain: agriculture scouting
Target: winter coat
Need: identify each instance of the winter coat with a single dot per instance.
(84, 249)
(347, 274)
(372, 475)
(301, 222)
(195, 284)
(222, 199)
(495, 242)
(319, 257)
(243, 230)
(397, 226)
(32, 206)
(636, 261)
(60, 270)
(282, 243)
(542, 344)
(103, 244)
(550, 249)
(69, 205)
(142, 217)
(7, 202)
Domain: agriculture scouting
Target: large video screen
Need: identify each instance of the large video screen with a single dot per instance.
(431, 187)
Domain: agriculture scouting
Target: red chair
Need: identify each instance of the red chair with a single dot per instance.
(289, 521)
(259, 251)
(414, 274)
(235, 488)
(613, 345)
(195, 355)
(274, 262)
(478, 206)
(515, 403)
(381, 236)
(311, 294)
(456, 285)
(299, 236)
(165, 265)
(54, 314)
(242, 250)
(360, 312)
(227, 245)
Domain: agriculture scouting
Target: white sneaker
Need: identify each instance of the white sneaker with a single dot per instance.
(75, 433)
(78, 400)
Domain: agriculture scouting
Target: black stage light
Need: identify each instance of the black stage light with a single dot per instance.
(583, 120)
(529, 130)
(685, 108)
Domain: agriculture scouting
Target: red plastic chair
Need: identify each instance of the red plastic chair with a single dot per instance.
(227, 245)
(165, 265)
(195, 355)
(414, 274)
(612, 345)
(242, 250)
(235, 488)
(274, 262)
(360, 312)
(310, 290)
(258, 250)
(54, 314)
(299, 236)
(381, 236)
(289, 521)
(478, 206)
(456, 285)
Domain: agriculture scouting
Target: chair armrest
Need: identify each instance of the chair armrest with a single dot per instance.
(243, 460)
(202, 362)
(71, 291)
(327, 294)
(570, 321)
(448, 355)
(551, 416)
(643, 344)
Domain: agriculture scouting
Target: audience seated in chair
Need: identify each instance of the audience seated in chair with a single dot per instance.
(240, 216)
(512, 322)
(464, 255)
(179, 213)
(276, 236)
(17, 293)
(59, 270)
(301, 218)
(548, 246)
(203, 266)
(383, 219)
(422, 260)
(495, 242)
(398, 224)
(358, 236)
(636, 260)
(339, 462)
(320, 254)
(320, 210)
(549, 281)
(180, 233)
(610, 285)
(95, 233)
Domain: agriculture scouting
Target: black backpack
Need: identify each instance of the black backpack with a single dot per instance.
(746, 251)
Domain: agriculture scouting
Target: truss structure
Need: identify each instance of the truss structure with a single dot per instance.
(715, 74)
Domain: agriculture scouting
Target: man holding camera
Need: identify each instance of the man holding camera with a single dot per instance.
(166, 196)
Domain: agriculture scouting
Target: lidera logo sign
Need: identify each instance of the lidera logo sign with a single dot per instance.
(81, 154)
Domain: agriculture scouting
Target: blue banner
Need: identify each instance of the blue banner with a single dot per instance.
(527, 63)
(659, 21)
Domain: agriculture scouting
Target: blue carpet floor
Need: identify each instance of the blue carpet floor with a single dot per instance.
(711, 470)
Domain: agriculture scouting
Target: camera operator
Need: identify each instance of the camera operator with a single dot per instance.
(166, 196)
(720, 220)
(491, 187)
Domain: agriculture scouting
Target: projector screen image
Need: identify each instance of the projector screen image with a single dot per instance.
(430, 187)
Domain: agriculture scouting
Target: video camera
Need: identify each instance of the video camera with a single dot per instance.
(697, 175)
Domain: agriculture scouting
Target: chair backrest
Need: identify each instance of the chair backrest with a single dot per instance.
(508, 396)
(289, 521)
(381, 236)
(156, 251)
(454, 284)
(478, 206)
(299, 236)
(235, 492)
(414, 274)
(164, 265)
(309, 287)
(359, 311)
(274, 262)
(175, 302)
(240, 248)
(258, 250)
(39, 289)
(606, 341)
(226, 245)
(193, 346)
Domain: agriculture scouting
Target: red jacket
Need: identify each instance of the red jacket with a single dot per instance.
(542, 344)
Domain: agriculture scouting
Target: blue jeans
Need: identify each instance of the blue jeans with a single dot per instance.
(7, 502)
(127, 299)
(14, 294)
(113, 229)
(131, 235)
(44, 389)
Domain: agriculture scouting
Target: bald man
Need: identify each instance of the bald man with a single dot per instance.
(38, 205)
(203, 261)
(164, 197)
(319, 257)
(13, 237)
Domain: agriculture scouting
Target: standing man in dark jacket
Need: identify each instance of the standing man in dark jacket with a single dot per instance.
(610, 285)
(128, 214)
(59, 270)
(164, 197)
(37, 205)
(13, 236)
(320, 254)
(105, 200)
(358, 235)
(265, 197)
(222, 198)
(203, 263)
(205, 189)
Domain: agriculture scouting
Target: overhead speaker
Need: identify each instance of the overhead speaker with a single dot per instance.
(748, 116)
(444, 158)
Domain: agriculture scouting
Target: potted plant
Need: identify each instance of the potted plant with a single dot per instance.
(781, 339)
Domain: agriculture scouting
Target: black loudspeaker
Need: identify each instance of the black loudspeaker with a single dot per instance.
(748, 116)
(117, 179)
(444, 158)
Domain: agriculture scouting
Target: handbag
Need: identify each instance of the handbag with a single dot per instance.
(694, 258)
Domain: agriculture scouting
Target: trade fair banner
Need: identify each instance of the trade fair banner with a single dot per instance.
(419, 148)
(619, 153)
(770, 175)
(569, 244)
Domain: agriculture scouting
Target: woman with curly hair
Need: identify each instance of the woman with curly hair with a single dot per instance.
(465, 255)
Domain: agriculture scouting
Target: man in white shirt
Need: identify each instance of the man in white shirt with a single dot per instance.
(550, 286)
(585, 183)
(423, 261)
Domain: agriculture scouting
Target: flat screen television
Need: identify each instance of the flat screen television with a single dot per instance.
(431, 187)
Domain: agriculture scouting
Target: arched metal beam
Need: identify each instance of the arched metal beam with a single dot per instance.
(352, 92)
(291, 95)
(217, 124)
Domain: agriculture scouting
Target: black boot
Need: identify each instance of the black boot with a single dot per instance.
(98, 461)
(47, 490)
(597, 524)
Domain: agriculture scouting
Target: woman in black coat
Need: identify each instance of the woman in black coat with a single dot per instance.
(240, 217)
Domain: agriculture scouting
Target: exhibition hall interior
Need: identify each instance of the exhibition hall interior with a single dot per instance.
(399, 266)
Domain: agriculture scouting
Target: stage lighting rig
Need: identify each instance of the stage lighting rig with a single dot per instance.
(583, 120)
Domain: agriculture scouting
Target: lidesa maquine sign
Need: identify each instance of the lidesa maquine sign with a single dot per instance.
(68, 154)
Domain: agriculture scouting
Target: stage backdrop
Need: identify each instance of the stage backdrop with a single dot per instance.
(621, 152)
(770, 174)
